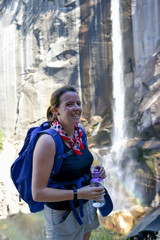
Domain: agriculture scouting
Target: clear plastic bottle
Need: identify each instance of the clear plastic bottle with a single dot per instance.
(96, 181)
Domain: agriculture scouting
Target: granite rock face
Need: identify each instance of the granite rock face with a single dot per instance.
(44, 45)
(40, 53)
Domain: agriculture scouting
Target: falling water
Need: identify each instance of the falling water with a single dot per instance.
(117, 177)
(118, 137)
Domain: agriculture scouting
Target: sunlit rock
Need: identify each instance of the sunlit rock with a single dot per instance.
(95, 119)
(137, 211)
(120, 222)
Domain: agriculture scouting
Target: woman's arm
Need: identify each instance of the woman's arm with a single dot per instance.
(43, 160)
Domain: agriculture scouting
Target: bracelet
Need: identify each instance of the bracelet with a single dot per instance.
(75, 193)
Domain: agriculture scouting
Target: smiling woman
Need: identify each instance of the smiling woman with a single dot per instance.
(68, 211)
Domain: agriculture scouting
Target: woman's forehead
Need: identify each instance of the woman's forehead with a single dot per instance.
(70, 96)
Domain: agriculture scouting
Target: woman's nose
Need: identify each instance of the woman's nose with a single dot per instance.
(77, 106)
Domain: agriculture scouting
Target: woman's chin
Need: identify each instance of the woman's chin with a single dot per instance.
(76, 120)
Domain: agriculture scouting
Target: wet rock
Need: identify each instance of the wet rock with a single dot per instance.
(100, 139)
(95, 120)
(147, 97)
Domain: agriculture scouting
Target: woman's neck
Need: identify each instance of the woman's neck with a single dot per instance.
(68, 129)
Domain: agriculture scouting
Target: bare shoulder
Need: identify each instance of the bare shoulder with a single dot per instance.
(46, 139)
(46, 142)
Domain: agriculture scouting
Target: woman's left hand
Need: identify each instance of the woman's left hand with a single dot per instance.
(102, 172)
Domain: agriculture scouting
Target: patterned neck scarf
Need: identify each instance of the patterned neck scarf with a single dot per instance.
(75, 142)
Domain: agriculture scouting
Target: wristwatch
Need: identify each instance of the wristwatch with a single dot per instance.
(75, 193)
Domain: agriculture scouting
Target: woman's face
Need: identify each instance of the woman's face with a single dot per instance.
(69, 111)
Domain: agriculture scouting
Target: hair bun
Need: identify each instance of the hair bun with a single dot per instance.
(50, 114)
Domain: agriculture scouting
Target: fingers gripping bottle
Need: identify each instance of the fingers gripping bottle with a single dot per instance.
(96, 181)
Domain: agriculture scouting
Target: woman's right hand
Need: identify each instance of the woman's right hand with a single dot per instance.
(90, 192)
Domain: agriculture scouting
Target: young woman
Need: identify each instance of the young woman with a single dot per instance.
(60, 221)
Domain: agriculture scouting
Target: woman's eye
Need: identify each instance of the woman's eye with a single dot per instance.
(69, 104)
(72, 104)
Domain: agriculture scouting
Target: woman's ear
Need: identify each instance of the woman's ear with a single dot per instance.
(55, 110)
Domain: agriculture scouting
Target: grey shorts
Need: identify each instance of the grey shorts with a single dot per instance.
(62, 225)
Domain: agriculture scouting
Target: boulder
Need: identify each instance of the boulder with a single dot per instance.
(120, 222)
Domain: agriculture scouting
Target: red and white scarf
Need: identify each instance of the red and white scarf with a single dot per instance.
(75, 142)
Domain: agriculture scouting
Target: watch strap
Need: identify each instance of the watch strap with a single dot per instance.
(75, 193)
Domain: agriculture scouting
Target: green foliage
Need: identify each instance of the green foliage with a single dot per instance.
(147, 157)
(1, 140)
(142, 153)
(151, 164)
(102, 234)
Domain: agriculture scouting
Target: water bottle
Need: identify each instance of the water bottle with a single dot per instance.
(96, 181)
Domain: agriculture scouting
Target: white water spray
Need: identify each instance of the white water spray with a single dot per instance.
(118, 137)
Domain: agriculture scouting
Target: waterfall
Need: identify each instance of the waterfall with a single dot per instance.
(118, 136)
(117, 178)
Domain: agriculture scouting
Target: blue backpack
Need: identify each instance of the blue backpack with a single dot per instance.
(21, 169)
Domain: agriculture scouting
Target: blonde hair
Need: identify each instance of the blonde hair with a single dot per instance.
(55, 100)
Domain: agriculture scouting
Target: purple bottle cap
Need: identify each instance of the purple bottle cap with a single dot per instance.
(96, 177)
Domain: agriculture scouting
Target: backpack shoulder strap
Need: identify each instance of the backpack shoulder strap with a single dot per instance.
(84, 136)
(60, 155)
